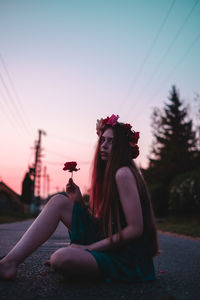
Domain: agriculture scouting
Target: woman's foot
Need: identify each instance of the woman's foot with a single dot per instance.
(8, 270)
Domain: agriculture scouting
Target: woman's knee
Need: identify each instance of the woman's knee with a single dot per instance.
(60, 201)
(62, 259)
(63, 206)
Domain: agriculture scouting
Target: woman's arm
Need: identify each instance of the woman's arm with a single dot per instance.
(130, 201)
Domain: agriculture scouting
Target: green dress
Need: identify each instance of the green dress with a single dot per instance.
(130, 263)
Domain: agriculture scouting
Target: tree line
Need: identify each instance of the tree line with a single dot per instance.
(173, 172)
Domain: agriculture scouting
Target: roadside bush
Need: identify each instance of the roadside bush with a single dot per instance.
(184, 195)
(159, 199)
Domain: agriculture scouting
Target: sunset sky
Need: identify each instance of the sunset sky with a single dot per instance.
(63, 64)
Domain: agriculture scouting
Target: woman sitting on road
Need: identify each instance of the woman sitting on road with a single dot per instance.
(115, 237)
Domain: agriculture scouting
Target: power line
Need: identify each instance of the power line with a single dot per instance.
(13, 103)
(59, 163)
(13, 106)
(57, 154)
(144, 89)
(69, 139)
(10, 118)
(197, 38)
(14, 90)
(5, 112)
(63, 156)
(139, 72)
(52, 163)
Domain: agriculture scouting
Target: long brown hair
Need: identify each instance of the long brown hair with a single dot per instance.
(104, 198)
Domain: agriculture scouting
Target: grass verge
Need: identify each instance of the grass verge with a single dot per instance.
(14, 217)
(186, 225)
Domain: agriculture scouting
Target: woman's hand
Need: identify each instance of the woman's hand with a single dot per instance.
(73, 191)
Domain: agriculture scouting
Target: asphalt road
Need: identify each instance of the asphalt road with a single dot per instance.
(178, 272)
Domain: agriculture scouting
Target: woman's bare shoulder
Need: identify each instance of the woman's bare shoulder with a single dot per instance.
(124, 173)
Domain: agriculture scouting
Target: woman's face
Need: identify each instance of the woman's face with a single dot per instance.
(106, 144)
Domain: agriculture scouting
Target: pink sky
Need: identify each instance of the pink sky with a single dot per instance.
(64, 65)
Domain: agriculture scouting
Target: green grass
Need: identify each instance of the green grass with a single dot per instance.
(14, 217)
(187, 225)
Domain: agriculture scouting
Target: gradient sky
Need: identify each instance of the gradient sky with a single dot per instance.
(63, 64)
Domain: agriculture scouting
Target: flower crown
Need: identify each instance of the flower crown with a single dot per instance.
(133, 136)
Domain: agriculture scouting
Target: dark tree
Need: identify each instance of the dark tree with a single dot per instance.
(27, 189)
(174, 145)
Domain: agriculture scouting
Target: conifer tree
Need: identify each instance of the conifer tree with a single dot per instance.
(173, 148)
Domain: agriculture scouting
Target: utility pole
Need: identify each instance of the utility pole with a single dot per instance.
(44, 181)
(48, 185)
(37, 167)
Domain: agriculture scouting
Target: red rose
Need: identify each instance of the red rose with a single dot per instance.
(135, 151)
(134, 138)
(127, 126)
(70, 166)
(104, 122)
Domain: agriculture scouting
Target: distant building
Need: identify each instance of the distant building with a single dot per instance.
(10, 200)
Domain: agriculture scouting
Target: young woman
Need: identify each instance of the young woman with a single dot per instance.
(115, 237)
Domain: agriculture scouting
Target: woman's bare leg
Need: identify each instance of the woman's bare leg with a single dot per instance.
(75, 263)
(58, 208)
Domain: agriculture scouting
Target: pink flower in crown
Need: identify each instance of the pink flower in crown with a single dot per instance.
(102, 122)
(99, 126)
(112, 120)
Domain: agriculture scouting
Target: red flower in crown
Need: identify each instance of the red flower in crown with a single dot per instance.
(134, 138)
(132, 135)
(104, 121)
(127, 126)
(70, 166)
(135, 151)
